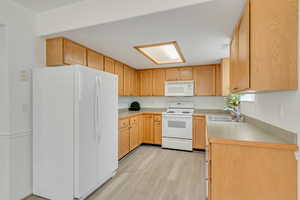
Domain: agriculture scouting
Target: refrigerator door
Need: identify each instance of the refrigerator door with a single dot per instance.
(108, 126)
(85, 132)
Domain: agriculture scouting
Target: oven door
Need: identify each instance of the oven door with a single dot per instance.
(177, 126)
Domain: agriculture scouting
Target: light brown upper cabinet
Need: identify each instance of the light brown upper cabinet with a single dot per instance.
(225, 76)
(109, 65)
(179, 74)
(95, 60)
(218, 80)
(136, 82)
(146, 79)
(74, 53)
(61, 51)
(264, 47)
(205, 80)
(159, 78)
(172, 74)
(128, 81)
(234, 76)
(186, 73)
(240, 72)
(119, 70)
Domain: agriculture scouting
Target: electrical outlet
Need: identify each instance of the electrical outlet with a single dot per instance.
(297, 155)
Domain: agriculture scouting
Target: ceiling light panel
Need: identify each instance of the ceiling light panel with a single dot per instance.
(162, 53)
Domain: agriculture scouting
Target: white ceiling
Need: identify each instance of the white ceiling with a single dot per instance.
(202, 31)
(44, 5)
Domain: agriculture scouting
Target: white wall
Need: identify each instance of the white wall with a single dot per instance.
(16, 117)
(162, 102)
(93, 12)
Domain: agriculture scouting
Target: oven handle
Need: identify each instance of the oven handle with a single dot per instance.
(177, 116)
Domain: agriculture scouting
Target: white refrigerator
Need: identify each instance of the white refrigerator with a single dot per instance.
(75, 123)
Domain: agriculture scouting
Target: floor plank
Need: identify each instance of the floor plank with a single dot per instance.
(152, 173)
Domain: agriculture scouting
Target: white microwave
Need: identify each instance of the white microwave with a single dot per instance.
(179, 88)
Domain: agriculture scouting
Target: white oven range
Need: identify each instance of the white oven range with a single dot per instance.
(178, 126)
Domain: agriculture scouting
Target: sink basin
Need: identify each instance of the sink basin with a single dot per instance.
(220, 118)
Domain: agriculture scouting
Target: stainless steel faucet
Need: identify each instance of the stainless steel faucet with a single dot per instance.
(236, 113)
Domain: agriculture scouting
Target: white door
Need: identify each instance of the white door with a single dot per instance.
(85, 136)
(108, 126)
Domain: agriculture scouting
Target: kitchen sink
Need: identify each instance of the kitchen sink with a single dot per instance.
(220, 118)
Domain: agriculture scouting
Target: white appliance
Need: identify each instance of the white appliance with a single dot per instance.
(178, 126)
(74, 131)
(179, 88)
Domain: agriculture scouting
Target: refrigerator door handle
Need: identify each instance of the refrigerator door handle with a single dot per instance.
(99, 108)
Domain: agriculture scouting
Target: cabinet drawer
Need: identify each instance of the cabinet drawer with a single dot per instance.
(133, 121)
(157, 118)
(123, 123)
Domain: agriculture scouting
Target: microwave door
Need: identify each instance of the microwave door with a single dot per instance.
(175, 90)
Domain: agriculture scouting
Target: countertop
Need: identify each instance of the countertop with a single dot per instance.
(126, 113)
(251, 130)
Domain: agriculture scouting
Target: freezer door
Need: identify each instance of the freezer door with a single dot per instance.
(85, 132)
(108, 126)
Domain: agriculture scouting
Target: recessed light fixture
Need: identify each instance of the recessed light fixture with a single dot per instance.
(162, 53)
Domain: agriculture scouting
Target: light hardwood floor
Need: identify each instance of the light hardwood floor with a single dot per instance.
(152, 173)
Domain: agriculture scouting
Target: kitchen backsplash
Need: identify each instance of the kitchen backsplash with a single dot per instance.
(162, 102)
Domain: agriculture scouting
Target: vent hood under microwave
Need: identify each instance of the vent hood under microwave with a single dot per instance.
(179, 88)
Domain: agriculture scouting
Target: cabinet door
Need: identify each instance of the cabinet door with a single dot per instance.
(134, 133)
(148, 136)
(109, 65)
(157, 130)
(243, 66)
(186, 73)
(250, 172)
(138, 83)
(74, 53)
(205, 80)
(141, 129)
(225, 68)
(218, 80)
(119, 70)
(54, 52)
(274, 45)
(199, 134)
(234, 76)
(127, 81)
(124, 142)
(159, 82)
(146, 82)
(172, 74)
(95, 60)
(135, 83)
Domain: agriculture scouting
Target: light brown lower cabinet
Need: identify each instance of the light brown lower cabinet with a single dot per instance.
(124, 142)
(134, 133)
(251, 171)
(199, 132)
(148, 136)
(157, 129)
